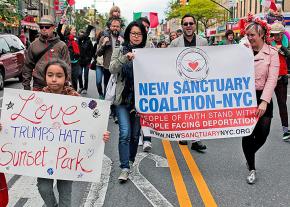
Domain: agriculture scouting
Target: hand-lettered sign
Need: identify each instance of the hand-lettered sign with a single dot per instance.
(52, 136)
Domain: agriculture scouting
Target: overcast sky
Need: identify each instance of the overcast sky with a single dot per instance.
(127, 6)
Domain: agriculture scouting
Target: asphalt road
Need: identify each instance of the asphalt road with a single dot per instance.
(173, 175)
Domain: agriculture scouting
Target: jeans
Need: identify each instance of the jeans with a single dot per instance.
(64, 187)
(100, 73)
(99, 78)
(129, 132)
(75, 73)
(84, 68)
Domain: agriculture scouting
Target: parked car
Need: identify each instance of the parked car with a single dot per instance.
(11, 58)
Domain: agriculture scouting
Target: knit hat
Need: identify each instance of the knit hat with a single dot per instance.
(47, 20)
(277, 27)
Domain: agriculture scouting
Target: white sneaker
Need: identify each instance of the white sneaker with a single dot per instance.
(147, 146)
(84, 91)
(251, 178)
(140, 143)
(124, 175)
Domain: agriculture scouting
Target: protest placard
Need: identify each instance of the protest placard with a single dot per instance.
(195, 93)
(52, 136)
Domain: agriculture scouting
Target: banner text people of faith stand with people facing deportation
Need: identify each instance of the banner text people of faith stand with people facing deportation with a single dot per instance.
(195, 93)
(52, 136)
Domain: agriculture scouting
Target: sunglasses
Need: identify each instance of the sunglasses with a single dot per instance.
(188, 23)
(45, 26)
(276, 34)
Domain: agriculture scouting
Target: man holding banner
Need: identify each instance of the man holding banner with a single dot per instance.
(190, 39)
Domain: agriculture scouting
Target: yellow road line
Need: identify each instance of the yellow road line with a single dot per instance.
(180, 188)
(202, 187)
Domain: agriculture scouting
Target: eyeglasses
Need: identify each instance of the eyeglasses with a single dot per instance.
(188, 23)
(134, 34)
(45, 26)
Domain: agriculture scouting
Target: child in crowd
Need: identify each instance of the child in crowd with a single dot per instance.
(276, 15)
(56, 75)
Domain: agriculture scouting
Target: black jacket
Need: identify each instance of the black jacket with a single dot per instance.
(87, 51)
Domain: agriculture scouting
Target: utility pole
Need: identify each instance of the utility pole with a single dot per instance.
(19, 9)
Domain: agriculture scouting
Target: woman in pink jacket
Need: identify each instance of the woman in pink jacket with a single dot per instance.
(266, 74)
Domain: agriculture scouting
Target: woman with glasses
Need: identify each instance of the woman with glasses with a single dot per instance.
(266, 63)
(129, 122)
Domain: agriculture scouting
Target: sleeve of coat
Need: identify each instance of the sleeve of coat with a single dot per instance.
(205, 43)
(58, 30)
(117, 61)
(101, 48)
(87, 32)
(286, 51)
(273, 72)
(173, 43)
(28, 67)
(66, 57)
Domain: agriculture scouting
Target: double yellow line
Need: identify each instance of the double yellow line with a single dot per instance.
(180, 187)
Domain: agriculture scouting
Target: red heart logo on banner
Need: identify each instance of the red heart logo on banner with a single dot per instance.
(193, 65)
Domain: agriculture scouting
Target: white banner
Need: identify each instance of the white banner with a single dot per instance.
(195, 93)
(52, 136)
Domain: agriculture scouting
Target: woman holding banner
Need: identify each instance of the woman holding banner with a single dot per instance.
(129, 122)
(266, 75)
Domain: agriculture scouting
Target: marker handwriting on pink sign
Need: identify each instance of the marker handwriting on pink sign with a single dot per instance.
(43, 111)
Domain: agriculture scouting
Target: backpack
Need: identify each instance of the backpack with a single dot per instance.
(111, 88)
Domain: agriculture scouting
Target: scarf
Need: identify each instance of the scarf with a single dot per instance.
(66, 91)
(74, 44)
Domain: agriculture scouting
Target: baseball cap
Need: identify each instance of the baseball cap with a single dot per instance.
(277, 27)
(47, 19)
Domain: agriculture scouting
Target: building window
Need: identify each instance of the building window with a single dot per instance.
(250, 5)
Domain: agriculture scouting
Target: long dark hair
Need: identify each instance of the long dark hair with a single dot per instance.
(127, 34)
